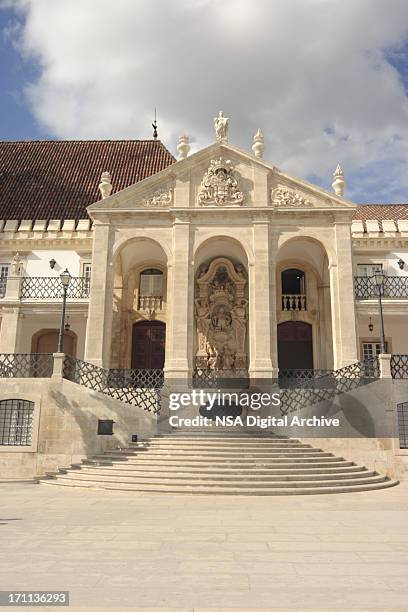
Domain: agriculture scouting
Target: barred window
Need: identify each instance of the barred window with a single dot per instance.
(4, 273)
(402, 411)
(368, 269)
(16, 422)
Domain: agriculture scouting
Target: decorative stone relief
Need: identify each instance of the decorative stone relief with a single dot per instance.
(282, 196)
(160, 199)
(220, 186)
(221, 316)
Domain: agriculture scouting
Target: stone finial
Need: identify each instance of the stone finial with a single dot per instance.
(183, 146)
(221, 127)
(339, 182)
(258, 146)
(105, 186)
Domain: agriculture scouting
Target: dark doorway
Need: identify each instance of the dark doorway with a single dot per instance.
(295, 346)
(293, 282)
(148, 345)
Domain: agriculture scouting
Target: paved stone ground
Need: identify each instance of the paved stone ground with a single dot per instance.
(118, 550)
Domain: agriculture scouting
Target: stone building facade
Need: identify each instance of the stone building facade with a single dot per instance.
(218, 261)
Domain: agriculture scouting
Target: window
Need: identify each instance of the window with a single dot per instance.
(16, 422)
(368, 269)
(86, 275)
(293, 282)
(402, 412)
(4, 272)
(372, 349)
(151, 283)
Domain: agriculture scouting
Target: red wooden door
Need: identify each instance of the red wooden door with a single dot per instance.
(148, 345)
(295, 346)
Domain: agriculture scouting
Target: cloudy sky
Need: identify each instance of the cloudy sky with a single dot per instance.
(326, 80)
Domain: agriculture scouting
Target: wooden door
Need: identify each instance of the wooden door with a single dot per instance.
(295, 346)
(148, 345)
(47, 342)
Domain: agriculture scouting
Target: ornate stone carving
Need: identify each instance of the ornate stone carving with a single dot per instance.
(105, 186)
(16, 265)
(282, 196)
(221, 125)
(221, 316)
(160, 199)
(220, 186)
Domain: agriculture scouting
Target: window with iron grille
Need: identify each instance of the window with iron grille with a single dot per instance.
(402, 411)
(16, 422)
(4, 272)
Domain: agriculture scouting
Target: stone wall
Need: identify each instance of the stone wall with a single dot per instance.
(65, 426)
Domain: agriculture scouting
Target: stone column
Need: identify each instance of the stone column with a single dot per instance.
(11, 316)
(99, 325)
(262, 304)
(180, 294)
(342, 298)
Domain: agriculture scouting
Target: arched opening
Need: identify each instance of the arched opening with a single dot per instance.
(293, 281)
(46, 341)
(295, 346)
(148, 345)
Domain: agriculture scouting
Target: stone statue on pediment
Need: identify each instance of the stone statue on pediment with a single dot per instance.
(221, 127)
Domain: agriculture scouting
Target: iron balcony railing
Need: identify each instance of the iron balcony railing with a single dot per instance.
(26, 365)
(399, 366)
(394, 287)
(50, 288)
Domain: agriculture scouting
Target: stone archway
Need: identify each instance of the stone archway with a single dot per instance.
(46, 341)
(221, 315)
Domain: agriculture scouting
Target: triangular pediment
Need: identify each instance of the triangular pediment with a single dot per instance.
(221, 176)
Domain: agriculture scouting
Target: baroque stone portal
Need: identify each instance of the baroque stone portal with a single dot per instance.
(221, 316)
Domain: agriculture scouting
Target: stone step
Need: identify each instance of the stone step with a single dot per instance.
(341, 487)
(241, 462)
(186, 454)
(216, 446)
(191, 477)
(348, 468)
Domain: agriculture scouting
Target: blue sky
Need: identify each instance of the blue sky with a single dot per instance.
(325, 80)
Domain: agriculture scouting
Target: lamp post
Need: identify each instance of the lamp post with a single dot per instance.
(65, 278)
(379, 279)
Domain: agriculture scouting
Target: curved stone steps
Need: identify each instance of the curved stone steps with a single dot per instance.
(230, 465)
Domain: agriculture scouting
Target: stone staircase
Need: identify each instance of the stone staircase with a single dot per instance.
(224, 463)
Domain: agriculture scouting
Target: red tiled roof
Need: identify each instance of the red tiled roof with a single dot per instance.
(381, 212)
(59, 179)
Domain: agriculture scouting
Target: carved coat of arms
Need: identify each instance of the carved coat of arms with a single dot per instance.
(220, 186)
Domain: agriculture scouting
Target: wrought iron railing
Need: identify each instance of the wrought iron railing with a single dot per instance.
(139, 388)
(204, 378)
(328, 386)
(394, 287)
(293, 302)
(45, 287)
(399, 366)
(292, 378)
(26, 365)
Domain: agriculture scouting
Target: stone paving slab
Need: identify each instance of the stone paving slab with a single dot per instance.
(121, 551)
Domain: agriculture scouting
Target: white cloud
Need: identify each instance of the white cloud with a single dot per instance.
(313, 74)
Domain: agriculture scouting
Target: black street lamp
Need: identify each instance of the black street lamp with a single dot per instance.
(65, 280)
(379, 279)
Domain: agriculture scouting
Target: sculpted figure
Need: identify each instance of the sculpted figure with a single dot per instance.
(221, 127)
